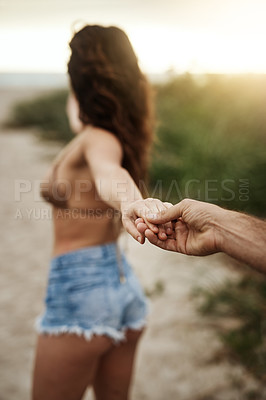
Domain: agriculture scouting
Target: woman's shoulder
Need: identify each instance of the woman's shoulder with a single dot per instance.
(100, 144)
(93, 136)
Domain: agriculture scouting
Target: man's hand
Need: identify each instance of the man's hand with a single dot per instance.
(195, 226)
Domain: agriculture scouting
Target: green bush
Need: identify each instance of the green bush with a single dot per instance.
(246, 302)
(47, 113)
(210, 143)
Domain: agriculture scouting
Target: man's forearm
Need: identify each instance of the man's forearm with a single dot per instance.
(244, 238)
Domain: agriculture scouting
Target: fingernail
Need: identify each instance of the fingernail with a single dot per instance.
(169, 231)
(139, 239)
(151, 216)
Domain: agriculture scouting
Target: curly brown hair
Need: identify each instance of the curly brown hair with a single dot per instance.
(112, 91)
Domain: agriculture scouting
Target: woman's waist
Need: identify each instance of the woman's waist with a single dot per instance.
(70, 235)
(85, 255)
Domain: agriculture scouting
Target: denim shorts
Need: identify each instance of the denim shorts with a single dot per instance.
(93, 291)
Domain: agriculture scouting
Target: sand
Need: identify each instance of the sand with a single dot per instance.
(175, 357)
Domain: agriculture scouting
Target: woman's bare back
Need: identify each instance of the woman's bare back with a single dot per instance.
(81, 218)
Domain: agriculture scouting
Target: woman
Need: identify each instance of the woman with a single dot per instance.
(95, 309)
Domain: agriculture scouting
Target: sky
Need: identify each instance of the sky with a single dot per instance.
(198, 36)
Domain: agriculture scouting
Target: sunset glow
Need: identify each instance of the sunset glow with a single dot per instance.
(228, 40)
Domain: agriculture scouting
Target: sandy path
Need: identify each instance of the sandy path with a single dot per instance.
(175, 353)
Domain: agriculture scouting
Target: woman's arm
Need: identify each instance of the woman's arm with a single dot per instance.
(103, 153)
(72, 110)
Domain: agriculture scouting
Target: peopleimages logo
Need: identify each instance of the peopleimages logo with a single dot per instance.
(210, 190)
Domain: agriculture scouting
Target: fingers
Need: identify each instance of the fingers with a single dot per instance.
(162, 234)
(169, 244)
(133, 231)
(163, 229)
(143, 208)
(137, 226)
(152, 238)
(140, 225)
(168, 226)
(142, 228)
(166, 215)
(150, 207)
(140, 208)
(167, 204)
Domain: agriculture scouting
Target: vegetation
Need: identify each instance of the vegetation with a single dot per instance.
(211, 138)
(157, 290)
(211, 141)
(47, 113)
(244, 301)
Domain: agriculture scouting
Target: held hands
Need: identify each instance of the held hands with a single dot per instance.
(195, 230)
(139, 210)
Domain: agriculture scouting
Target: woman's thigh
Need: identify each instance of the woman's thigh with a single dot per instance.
(65, 365)
(115, 369)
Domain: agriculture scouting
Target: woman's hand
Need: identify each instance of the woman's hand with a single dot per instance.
(140, 209)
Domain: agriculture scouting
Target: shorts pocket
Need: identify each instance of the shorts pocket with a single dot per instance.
(88, 302)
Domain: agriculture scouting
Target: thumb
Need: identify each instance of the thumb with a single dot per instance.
(164, 216)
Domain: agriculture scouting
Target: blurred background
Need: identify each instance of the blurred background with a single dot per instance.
(207, 64)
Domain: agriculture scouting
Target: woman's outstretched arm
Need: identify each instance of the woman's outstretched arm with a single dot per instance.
(103, 153)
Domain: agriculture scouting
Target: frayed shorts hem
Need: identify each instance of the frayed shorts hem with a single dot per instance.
(115, 335)
(135, 326)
